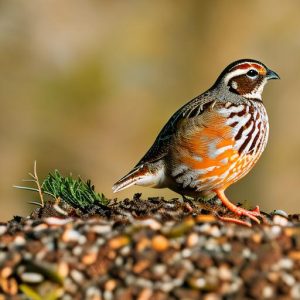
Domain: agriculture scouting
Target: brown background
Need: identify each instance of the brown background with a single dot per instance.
(86, 85)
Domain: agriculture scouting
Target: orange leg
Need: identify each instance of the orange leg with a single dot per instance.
(252, 214)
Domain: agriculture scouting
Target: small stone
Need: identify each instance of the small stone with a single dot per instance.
(215, 231)
(273, 277)
(286, 263)
(186, 253)
(276, 230)
(77, 251)
(288, 279)
(40, 227)
(246, 253)
(226, 247)
(71, 235)
(119, 242)
(192, 240)
(70, 286)
(108, 295)
(145, 294)
(6, 272)
(57, 221)
(141, 265)
(110, 285)
(294, 255)
(295, 291)
(89, 258)
(153, 224)
(197, 283)
(19, 240)
(279, 220)
(63, 269)
(125, 251)
(93, 293)
(225, 273)
(257, 237)
(142, 282)
(268, 292)
(77, 276)
(211, 296)
(9, 286)
(166, 286)
(159, 269)
(142, 244)
(31, 277)
(160, 243)
(281, 213)
(101, 229)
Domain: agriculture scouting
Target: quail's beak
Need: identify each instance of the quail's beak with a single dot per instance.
(272, 75)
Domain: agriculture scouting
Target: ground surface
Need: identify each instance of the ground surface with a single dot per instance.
(148, 249)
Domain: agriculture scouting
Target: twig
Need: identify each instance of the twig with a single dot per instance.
(36, 178)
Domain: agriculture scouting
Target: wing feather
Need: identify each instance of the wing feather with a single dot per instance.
(160, 147)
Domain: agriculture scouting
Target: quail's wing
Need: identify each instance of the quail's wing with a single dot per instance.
(160, 147)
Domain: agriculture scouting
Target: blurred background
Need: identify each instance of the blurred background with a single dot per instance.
(85, 87)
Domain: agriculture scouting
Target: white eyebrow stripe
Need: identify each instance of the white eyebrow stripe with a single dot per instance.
(236, 73)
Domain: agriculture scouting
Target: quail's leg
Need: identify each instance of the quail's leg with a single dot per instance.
(252, 214)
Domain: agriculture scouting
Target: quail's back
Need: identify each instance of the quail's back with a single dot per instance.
(213, 140)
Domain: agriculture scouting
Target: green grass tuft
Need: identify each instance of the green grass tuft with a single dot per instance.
(75, 192)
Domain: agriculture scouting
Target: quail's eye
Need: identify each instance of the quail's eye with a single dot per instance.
(252, 73)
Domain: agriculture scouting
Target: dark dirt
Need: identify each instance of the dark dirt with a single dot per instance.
(148, 249)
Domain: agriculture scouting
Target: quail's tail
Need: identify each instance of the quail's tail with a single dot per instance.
(140, 175)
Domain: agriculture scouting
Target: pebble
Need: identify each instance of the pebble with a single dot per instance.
(159, 269)
(101, 229)
(108, 295)
(63, 269)
(286, 263)
(89, 258)
(57, 221)
(110, 285)
(40, 227)
(71, 235)
(119, 242)
(268, 292)
(93, 293)
(152, 223)
(160, 243)
(77, 276)
(77, 251)
(281, 221)
(226, 247)
(288, 279)
(145, 294)
(31, 277)
(225, 273)
(6, 272)
(19, 240)
(151, 258)
(192, 240)
(295, 291)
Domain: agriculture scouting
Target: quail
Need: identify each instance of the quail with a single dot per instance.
(212, 141)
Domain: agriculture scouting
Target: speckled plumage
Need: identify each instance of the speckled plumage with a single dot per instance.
(213, 140)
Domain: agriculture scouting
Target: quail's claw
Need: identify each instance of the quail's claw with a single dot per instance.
(252, 214)
(235, 221)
